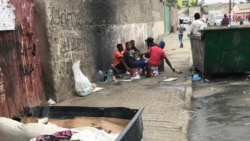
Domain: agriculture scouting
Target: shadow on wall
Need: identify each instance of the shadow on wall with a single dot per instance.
(102, 50)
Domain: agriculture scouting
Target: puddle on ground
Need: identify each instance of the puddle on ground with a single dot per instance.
(222, 117)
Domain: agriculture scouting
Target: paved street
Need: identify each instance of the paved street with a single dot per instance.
(221, 109)
(165, 117)
(238, 23)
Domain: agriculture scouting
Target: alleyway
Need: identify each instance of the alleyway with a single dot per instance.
(165, 117)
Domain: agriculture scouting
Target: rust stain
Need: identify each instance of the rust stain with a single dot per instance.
(20, 71)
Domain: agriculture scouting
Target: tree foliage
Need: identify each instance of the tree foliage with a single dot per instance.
(248, 1)
(194, 3)
(170, 2)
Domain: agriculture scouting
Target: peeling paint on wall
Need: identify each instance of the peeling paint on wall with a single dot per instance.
(20, 71)
(2, 89)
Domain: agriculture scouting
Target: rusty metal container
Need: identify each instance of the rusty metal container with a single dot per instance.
(20, 71)
(221, 50)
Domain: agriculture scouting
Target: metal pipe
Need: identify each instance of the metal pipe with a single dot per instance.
(229, 6)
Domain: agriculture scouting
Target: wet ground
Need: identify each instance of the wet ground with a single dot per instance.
(221, 109)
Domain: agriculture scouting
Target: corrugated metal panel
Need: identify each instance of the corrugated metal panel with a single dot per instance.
(20, 71)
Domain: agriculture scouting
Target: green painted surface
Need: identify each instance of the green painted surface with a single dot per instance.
(167, 19)
(225, 50)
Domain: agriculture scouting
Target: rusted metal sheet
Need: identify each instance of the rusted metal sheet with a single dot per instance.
(20, 71)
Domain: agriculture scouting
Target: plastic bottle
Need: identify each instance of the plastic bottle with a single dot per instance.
(86, 91)
(100, 76)
(110, 76)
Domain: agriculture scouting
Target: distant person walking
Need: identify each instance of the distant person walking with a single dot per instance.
(241, 20)
(181, 29)
(225, 21)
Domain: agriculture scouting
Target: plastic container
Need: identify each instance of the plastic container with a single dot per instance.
(100, 76)
(86, 91)
(110, 76)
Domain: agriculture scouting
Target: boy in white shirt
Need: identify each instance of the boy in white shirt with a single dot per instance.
(196, 25)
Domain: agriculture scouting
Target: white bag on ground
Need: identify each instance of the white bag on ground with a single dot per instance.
(83, 86)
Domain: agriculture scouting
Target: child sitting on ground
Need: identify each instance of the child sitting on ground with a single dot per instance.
(156, 54)
(118, 65)
(131, 63)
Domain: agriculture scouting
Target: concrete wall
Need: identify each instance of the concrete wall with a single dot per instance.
(89, 30)
(174, 19)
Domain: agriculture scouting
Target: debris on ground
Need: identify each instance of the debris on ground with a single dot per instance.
(51, 101)
(170, 79)
(196, 77)
(178, 71)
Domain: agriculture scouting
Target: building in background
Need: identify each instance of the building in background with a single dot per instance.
(216, 9)
(188, 8)
(242, 10)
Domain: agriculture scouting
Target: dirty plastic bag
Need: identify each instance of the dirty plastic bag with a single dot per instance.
(83, 86)
(92, 134)
(196, 77)
(12, 130)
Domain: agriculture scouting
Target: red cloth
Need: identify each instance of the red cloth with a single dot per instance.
(62, 134)
(156, 54)
(56, 136)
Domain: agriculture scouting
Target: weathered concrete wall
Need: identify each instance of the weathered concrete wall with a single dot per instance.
(174, 19)
(89, 30)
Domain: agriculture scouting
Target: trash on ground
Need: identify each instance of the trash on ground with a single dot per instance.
(170, 79)
(92, 134)
(196, 77)
(178, 71)
(51, 101)
(100, 76)
(83, 86)
(43, 120)
(127, 80)
(206, 80)
(12, 130)
(110, 76)
(96, 89)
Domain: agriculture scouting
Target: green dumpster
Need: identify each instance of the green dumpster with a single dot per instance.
(221, 50)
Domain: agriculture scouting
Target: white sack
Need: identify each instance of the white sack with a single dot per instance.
(92, 134)
(83, 86)
(11, 130)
